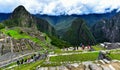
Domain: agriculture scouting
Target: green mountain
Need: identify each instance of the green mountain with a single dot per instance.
(78, 33)
(22, 18)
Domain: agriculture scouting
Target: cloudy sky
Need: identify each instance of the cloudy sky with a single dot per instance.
(58, 7)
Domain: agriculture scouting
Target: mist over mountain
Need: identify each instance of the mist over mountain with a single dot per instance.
(90, 18)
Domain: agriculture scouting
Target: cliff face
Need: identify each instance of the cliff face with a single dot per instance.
(79, 33)
(108, 29)
(21, 17)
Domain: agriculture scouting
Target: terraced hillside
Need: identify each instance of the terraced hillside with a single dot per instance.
(23, 39)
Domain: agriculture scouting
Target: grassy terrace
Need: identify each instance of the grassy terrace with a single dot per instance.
(90, 56)
(115, 54)
(75, 57)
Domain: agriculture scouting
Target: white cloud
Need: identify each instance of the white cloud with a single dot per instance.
(57, 7)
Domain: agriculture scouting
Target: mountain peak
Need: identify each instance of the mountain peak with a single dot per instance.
(20, 7)
(20, 11)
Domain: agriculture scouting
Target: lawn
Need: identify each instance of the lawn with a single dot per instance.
(75, 57)
(115, 54)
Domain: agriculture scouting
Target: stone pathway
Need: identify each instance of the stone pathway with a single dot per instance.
(50, 55)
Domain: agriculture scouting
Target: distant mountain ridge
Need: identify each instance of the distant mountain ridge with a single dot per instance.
(63, 22)
(89, 18)
(4, 16)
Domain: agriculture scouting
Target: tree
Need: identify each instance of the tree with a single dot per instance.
(1, 26)
(59, 43)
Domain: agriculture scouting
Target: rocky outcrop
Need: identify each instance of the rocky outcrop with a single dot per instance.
(108, 29)
(108, 45)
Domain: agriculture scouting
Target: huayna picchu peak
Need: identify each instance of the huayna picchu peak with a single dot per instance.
(21, 10)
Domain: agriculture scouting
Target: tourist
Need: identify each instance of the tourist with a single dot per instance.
(89, 47)
(83, 47)
(18, 62)
(81, 44)
(22, 61)
(25, 60)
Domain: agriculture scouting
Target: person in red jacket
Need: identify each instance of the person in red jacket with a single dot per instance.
(83, 47)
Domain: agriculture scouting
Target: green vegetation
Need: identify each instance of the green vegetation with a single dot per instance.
(75, 57)
(97, 47)
(115, 56)
(50, 64)
(14, 63)
(12, 22)
(16, 34)
(1, 26)
(58, 42)
(79, 33)
(29, 66)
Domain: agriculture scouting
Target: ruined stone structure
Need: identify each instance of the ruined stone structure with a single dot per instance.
(9, 44)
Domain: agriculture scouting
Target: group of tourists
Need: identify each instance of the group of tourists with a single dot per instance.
(86, 47)
(33, 58)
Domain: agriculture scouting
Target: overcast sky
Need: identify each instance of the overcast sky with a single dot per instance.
(58, 7)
